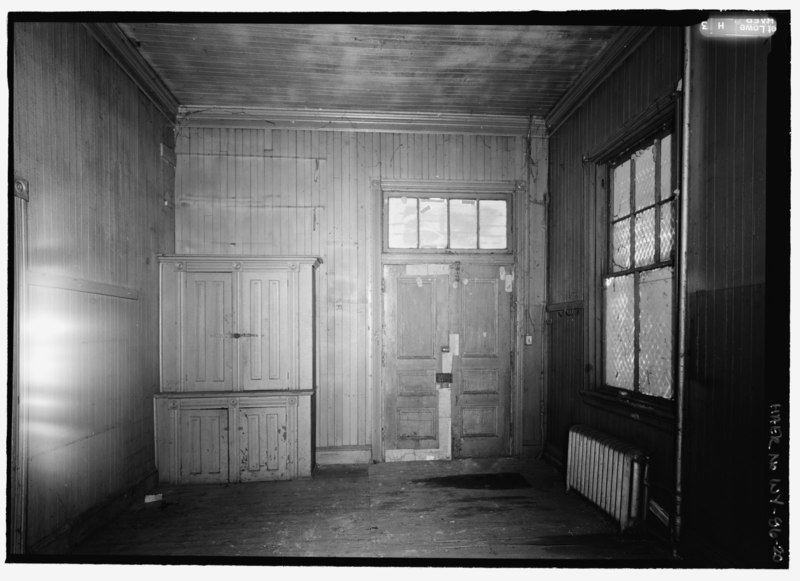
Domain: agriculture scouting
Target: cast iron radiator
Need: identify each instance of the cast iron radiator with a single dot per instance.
(609, 472)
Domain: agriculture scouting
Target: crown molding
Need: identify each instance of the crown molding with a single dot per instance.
(611, 57)
(363, 121)
(450, 186)
(119, 47)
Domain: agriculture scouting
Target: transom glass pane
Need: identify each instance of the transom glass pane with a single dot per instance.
(463, 223)
(402, 223)
(432, 223)
(493, 224)
(441, 223)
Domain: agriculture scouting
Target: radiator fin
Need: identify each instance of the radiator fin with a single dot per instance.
(607, 471)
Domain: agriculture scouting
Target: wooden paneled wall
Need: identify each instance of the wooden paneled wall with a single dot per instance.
(284, 191)
(89, 144)
(727, 395)
(649, 74)
(725, 475)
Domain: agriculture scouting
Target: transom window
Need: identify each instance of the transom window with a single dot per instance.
(453, 222)
(639, 283)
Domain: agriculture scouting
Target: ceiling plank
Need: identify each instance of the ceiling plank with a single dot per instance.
(472, 69)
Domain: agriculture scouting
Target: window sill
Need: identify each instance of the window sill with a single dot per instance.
(656, 414)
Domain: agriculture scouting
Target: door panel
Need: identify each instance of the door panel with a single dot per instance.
(479, 317)
(422, 313)
(416, 317)
(481, 393)
(266, 339)
(415, 329)
(208, 324)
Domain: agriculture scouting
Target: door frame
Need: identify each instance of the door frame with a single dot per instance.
(376, 262)
(17, 485)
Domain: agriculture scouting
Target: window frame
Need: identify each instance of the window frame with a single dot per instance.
(607, 272)
(503, 191)
(664, 114)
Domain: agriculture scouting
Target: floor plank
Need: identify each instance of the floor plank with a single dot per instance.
(468, 510)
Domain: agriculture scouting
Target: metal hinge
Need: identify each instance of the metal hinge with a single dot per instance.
(383, 359)
(383, 285)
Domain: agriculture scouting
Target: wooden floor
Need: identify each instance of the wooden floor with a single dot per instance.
(401, 513)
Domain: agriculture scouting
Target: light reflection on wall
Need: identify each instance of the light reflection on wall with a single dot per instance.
(53, 344)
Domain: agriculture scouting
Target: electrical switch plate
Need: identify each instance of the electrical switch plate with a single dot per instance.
(529, 339)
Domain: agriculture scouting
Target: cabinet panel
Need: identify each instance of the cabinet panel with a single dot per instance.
(208, 326)
(272, 436)
(204, 445)
(243, 324)
(266, 333)
(263, 444)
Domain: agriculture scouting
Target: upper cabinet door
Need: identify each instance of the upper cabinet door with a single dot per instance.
(207, 339)
(266, 331)
(237, 324)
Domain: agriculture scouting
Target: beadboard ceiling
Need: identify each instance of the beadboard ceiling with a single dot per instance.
(460, 69)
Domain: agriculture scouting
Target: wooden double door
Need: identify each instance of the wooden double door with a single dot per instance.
(448, 326)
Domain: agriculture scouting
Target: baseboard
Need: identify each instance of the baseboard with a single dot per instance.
(530, 451)
(416, 455)
(553, 455)
(343, 455)
(79, 528)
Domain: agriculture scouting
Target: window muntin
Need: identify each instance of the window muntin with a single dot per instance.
(639, 285)
(456, 223)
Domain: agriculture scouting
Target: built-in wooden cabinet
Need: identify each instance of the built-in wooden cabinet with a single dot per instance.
(239, 437)
(237, 368)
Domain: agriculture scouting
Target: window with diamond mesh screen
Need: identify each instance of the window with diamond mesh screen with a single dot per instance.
(639, 287)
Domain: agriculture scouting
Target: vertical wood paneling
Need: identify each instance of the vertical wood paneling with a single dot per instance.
(727, 396)
(648, 74)
(531, 253)
(726, 279)
(313, 198)
(89, 144)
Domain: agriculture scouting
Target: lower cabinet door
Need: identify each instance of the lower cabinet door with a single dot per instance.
(263, 439)
(204, 445)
